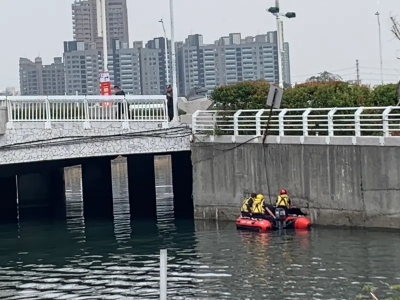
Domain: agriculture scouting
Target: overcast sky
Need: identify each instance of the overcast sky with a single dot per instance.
(326, 35)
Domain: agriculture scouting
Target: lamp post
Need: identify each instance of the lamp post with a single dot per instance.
(166, 53)
(173, 62)
(279, 32)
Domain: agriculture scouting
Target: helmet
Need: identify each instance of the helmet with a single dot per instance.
(260, 197)
(283, 192)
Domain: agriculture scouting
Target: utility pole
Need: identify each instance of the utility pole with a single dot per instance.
(358, 72)
(166, 54)
(173, 62)
(105, 83)
(377, 14)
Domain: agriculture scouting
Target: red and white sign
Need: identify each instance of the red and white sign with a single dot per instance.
(105, 86)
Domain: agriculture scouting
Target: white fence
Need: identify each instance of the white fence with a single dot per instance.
(350, 121)
(86, 108)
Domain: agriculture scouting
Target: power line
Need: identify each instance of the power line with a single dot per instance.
(174, 132)
(330, 71)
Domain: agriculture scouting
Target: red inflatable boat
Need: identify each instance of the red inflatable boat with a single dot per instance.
(289, 222)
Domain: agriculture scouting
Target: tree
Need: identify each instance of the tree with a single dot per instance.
(395, 27)
(241, 95)
(324, 77)
(327, 94)
(254, 94)
(384, 95)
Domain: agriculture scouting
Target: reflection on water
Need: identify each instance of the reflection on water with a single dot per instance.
(119, 260)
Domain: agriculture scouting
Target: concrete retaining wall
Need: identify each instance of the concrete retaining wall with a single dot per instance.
(336, 185)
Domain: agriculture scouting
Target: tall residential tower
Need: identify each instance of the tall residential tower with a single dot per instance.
(84, 20)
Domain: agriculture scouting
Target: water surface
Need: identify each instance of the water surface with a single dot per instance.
(207, 260)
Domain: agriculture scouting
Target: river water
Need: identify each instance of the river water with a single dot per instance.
(207, 260)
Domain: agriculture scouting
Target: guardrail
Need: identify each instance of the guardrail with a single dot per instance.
(86, 108)
(343, 121)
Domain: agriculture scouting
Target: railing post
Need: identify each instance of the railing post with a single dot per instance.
(236, 122)
(214, 122)
(47, 124)
(163, 274)
(331, 125)
(194, 121)
(258, 121)
(305, 121)
(357, 121)
(10, 123)
(125, 122)
(165, 111)
(281, 122)
(86, 123)
(385, 121)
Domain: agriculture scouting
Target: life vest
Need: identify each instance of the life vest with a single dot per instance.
(283, 200)
(245, 205)
(258, 206)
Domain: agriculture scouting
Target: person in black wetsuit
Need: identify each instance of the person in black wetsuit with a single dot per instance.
(170, 103)
(119, 92)
(247, 205)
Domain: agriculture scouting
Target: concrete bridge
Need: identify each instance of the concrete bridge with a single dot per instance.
(41, 135)
(340, 164)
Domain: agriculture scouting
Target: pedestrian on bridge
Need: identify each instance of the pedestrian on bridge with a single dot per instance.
(119, 92)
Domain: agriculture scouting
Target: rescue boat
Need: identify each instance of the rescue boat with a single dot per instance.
(279, 220)
(290, 222)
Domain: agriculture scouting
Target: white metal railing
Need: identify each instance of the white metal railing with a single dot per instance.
(3, 102)
(350, 121)
(86, 108)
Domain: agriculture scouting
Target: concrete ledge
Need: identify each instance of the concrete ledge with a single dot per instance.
(306, 140)
(319, 216)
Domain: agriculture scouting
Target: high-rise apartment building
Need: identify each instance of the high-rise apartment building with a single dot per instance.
(139, 71)
(85, 25)
(82, 68)
(229, 60)
(38, 79)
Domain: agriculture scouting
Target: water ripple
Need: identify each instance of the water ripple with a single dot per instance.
(119, 260)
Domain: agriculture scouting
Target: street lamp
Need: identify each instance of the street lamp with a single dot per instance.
(279, 30)
(166, 53)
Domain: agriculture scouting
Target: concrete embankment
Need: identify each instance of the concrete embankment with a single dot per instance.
(335, 185)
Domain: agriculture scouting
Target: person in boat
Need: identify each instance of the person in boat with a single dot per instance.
(259, 208)
(283, 199)
(247, 205)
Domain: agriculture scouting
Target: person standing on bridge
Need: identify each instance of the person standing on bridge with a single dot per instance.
(119, 92)
(170, 103)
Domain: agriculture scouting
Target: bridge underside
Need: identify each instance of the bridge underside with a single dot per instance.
(32, 142)
(40, 187)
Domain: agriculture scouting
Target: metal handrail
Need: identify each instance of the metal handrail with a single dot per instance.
(336, 121)
(148, 108)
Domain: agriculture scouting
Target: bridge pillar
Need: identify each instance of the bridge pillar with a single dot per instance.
(97, 188)
(41, 195)
(8, 202)
(182, 180)
(142, 186)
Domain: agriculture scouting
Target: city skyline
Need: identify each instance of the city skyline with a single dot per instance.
(322, 37)
(141, 70)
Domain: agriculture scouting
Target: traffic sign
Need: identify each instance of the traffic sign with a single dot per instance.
(274, 96)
